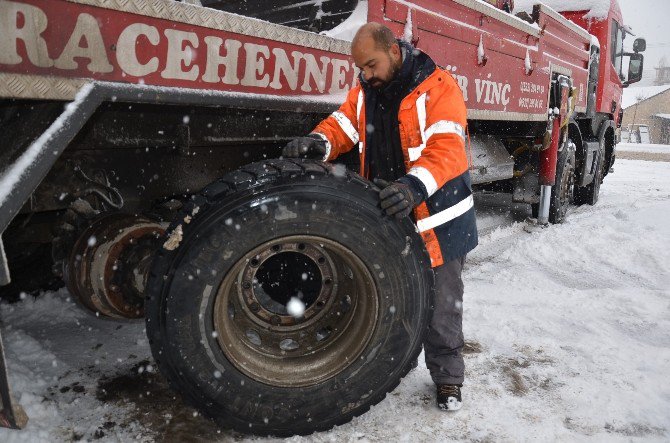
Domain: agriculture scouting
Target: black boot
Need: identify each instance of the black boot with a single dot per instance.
(449, 397)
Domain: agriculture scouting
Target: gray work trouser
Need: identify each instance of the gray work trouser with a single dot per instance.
(444, 342)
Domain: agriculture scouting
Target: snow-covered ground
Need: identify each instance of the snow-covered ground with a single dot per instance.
(637, 151)
(641, 147)
(568, 333)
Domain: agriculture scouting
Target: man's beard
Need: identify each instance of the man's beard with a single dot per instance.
(392, 73)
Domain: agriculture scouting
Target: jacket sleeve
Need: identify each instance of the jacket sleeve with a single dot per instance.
(340, 129)
(443, 156)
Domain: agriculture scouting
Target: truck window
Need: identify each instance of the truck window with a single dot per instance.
(618, 35)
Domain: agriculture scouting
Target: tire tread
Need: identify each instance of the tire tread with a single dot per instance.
(243, 179)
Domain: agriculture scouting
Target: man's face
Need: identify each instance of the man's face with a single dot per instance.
(377, 66)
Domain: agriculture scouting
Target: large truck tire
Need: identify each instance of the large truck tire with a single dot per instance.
(274, 234)
(562, 193)
(590, 193)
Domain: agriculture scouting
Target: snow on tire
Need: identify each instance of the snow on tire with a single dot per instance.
(284, 302)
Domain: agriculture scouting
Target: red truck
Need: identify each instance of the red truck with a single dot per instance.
(138, 165)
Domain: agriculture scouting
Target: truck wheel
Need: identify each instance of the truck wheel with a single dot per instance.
(589, 194)
(283, 302)
(562, 193)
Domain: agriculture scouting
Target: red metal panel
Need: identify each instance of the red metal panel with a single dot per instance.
(499, 88)
(170, 53)
(563, 47)
(610, 87)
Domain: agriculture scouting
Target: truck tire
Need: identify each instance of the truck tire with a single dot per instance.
(217, 311)
(562, 193)
(589, 194)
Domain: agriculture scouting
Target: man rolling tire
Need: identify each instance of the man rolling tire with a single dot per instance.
(407, 117)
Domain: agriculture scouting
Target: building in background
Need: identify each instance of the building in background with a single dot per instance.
(646, 111)
(662, 122)
(662, 76)
(662, 72)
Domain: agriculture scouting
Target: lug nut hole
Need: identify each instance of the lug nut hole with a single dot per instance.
(288, 344)
(253, 337)
(323, 333)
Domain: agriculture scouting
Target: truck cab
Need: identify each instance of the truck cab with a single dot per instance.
(612, 69)
(621, 68)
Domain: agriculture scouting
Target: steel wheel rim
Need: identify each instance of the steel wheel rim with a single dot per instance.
(599, 175)
(270, 346)
(566, 195)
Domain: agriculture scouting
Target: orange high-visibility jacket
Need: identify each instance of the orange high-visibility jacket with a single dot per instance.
(432, 122)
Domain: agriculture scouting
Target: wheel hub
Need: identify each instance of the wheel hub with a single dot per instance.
(286, 271)
(255, 330)
(109, 263)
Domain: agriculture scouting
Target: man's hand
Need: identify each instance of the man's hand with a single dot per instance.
(311, 146)
(397, 198)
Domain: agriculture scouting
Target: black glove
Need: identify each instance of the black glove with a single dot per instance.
(311, 146)
(397, 198)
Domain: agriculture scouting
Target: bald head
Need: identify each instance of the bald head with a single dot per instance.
(376, 53)
(380, 34)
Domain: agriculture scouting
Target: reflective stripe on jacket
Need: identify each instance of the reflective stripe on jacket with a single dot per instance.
(432, 121)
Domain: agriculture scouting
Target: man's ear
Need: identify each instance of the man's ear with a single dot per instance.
(395, 52)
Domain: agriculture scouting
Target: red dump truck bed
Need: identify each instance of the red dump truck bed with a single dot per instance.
(503, 64)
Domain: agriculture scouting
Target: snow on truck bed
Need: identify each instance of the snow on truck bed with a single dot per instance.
(568, 338)
(595, 9)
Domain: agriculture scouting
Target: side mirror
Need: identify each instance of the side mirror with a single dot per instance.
(639, 45)
(635, 68)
